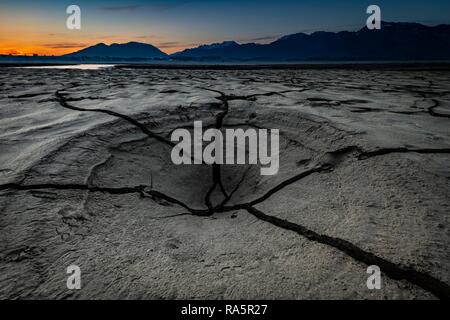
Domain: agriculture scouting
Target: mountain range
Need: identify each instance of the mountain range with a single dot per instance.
(127, 50)
(394, 41)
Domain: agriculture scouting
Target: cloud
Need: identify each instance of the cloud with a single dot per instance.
(264, 38)
(121, 8)
(11, 51)
(64, 45)
(155, 7)
(159, 7)
(150, 36)
(106, 37)
(175, 44)
(171, 43)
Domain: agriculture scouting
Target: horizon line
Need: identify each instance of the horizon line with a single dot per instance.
(161, 48)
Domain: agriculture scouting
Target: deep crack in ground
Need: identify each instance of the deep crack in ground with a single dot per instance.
(393, 270)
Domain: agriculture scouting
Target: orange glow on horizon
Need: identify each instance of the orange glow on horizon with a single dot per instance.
(34, 35)
(31, 50)
(52, 49)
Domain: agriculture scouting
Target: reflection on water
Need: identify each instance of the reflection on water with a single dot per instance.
(74, 66)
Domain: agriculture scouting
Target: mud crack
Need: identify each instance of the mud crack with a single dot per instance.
(432, 112)
(63, 101)
(392, 270)
(143, 191)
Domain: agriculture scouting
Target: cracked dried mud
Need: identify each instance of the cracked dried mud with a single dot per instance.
(86, 178)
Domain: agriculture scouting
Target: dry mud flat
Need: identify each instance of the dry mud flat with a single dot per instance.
(86, 178)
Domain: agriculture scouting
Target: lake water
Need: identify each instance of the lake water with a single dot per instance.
(73, 66)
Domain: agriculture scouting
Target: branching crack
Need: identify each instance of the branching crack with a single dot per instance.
(392, 270)
(251, 97)
(216, 168)
(63, 101)
(432, 112)
(142, 190)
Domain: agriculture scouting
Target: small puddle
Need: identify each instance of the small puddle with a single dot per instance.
(74, 66)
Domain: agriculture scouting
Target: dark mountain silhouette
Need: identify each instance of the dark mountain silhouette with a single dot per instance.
(395, 41)
(127, 50)
(223, 45)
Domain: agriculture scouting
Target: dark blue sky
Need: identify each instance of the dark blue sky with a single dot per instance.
(175, 24)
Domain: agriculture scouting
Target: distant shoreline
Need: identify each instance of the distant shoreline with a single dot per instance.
(411, 66)
(300, 66)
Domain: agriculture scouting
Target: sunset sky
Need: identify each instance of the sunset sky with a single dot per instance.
(39, 27)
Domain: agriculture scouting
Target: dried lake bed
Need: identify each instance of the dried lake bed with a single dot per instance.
(86, 179)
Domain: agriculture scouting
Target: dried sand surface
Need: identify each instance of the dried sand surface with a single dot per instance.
(86, 178)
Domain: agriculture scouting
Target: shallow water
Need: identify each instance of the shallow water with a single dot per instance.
(75, 66)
